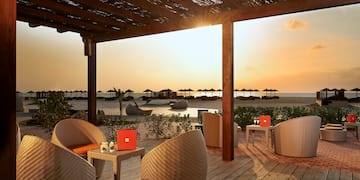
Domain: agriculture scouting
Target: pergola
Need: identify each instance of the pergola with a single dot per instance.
(105, 20)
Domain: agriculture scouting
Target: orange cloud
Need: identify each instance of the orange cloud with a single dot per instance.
(295, 24)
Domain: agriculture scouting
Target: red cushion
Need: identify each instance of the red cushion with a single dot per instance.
(83, 149)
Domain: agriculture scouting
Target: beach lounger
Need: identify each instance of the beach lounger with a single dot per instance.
(183, 104)
(135, 110)
(179, 158)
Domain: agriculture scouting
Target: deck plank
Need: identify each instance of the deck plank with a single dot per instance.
(299, 172)
(356, 176)
(240, 170)
(275, 172)
(345, 175)
(316, 173)
(333, 174)
(267, 167)
(287, 171)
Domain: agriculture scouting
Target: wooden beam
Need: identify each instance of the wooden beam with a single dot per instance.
(8, 88)
(281, 8)
(228, 86)
(90, 52)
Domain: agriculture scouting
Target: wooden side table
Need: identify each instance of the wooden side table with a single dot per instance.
(357, 128)
(115, 157)
(266, 129)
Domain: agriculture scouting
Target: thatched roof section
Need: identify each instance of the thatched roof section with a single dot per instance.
(103, 20)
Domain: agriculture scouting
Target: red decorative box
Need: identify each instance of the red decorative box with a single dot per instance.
(126, 139)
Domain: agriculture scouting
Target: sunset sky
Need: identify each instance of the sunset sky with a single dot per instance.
(301, 52)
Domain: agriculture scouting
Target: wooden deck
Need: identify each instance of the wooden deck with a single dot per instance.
(243, 168)
(334, 161)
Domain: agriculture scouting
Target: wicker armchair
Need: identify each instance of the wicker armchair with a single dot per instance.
(70, 133)
(18, 136)
(42, 160)
(182, 157)
(213, 130)
(297, 137)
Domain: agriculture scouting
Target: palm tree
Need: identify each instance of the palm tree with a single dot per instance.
(120, 95)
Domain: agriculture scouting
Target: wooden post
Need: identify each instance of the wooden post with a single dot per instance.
(8, 88)
(90, 52)
(228, 94)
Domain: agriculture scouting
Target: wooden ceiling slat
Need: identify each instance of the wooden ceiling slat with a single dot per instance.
(155, 10)
(78, 12)
(48, 15)
(234, 3)
(292, 6)
(110, 9)
(194, 8)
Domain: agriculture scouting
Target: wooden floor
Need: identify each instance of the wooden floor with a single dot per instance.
(242, 168)
(258, 162)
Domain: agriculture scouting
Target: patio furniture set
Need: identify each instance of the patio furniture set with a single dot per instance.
(74, 153)
(298, 137)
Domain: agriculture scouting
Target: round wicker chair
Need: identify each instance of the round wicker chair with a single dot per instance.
(40, 159)
(182, 157)
(71, 132)
(297, 137)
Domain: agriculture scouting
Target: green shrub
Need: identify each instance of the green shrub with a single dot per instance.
(329, 114)
(114, 123)
(183, 124)
(160, 126)
(52, 110)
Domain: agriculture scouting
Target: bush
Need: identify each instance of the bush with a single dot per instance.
(114, 123)
(329, 114)
(52, 110)
(160, 126)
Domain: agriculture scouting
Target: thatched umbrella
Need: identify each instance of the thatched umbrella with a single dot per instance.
(189, 90)
(266, 91)
(326, 90)
(212, 91)
(129, 91)
(219, 90)
(148, 91)
(236, 90)
(356, 90)
(243, 90)
(273, 90)
(255, 90)
(250, 90)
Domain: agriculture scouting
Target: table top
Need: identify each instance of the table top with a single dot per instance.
(356, 124)
(257, 127)
(122, 154)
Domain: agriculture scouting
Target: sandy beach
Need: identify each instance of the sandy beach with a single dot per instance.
(194, 106)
